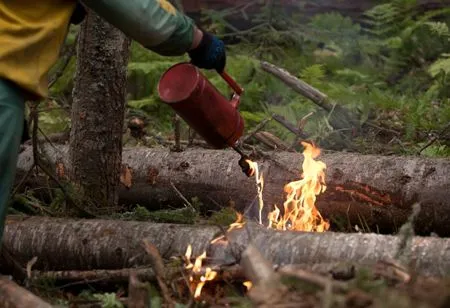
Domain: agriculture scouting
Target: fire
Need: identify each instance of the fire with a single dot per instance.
(248, 284)
(259, 185)
(300, 212)
(196, 271)
(235, 225)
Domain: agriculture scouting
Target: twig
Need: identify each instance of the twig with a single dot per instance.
(435, 138)
(158, 267)
(271, 141)
(177, 133)
(192, 135)
(12, 295)
(138, 293)
(181, 195)
(257, 128)
(291, 127)
(39, 164)
(300, 126)
(65, 61)
(313, 278)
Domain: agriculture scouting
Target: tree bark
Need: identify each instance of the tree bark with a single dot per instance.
(98, 110)
(62, 244)
(14, 296)
(370, 191)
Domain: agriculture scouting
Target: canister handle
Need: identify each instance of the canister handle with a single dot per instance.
(238, 90)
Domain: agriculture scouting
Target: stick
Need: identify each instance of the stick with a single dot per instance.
(339, 117)
(257, 128)
(435, 138)
(177, 133)
(113, 276)
(158, 266)
(14, 296)
(280, 119)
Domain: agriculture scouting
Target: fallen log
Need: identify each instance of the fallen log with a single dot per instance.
(62, 244)
(339, 117)
(373, 192)
(90, 276)
(14, 296)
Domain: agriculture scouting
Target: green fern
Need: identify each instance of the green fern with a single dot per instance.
(439, 28)
(439, 66)
(313, 74)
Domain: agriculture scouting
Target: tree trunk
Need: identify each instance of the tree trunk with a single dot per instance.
(112, 244)
(98, 110)
(371, 191)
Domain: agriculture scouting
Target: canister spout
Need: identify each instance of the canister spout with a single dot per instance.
(232, 83)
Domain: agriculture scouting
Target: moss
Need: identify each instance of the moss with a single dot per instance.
(224, 217)
(181, 216)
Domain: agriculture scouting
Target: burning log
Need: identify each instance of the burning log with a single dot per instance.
(373, 192)
(62, 244)
(14, 296)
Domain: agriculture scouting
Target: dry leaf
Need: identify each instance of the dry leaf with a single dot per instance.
(125, 176)
(60, 170)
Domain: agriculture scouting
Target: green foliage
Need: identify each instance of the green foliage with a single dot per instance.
(108, 300)
(440, 66)
(313, 74)
(185, 215)
(224, 217)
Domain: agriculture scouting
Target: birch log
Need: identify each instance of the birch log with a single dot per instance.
(376, 192)
(61, 244)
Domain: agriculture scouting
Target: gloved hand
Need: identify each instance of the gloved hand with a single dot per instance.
(209, 54)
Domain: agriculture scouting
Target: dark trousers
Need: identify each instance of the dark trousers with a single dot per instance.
(12, 110)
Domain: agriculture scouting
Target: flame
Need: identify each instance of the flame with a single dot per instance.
(248, 284)
(259, 186)
(196, 271)
(239, 223)
(300, 212)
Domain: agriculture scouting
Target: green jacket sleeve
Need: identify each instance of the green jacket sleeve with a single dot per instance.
(155, 24)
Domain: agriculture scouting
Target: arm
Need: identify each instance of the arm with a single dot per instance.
(155, 24)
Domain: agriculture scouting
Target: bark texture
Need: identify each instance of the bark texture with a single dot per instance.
(63, 244)
(14, 296)
(98, 110)
(375, 191)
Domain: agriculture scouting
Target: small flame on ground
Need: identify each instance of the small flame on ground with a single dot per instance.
(196, 270)
(248, 284)
(235, 225)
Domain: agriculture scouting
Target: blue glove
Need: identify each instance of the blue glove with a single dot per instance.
(209, 54)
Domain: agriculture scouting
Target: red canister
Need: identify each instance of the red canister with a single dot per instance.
(201, 105)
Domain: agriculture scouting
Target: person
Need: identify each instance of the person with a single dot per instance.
(32, 33)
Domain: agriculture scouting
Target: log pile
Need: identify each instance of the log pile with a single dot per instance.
(70, 244)
(373, 192)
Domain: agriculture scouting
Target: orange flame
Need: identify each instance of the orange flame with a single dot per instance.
(259, 186)
(248, 284)
(300, 212)
(196, 270)
(235, 225)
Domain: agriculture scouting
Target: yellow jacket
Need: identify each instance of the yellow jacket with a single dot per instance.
(32, 33)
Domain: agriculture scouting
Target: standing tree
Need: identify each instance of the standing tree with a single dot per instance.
(98, 111)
